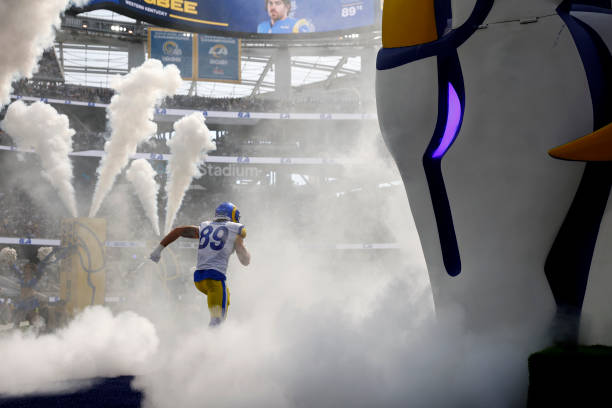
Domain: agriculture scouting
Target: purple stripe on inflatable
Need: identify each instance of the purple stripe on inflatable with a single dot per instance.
(452, 122)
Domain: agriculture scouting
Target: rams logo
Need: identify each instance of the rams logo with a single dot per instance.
(218, 51)
(171, 48)
(303, 26)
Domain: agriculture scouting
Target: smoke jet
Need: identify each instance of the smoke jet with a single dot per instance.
(28, 39)
(188, 146)
(142, 177)
(40, 127)
(130, 116)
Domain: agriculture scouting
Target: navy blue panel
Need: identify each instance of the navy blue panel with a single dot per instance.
(444, 218)
(597, 63)
(569, 260)
(591, 9)
(394, 57)
(444, 16)
(593, 3)
(599, 73)
(449, 71)
(106, 393)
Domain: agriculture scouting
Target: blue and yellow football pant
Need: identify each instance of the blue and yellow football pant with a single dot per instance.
(218, 298)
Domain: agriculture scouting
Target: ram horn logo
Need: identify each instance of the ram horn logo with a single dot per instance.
(303, 26)
(218, 51)
(171, 48)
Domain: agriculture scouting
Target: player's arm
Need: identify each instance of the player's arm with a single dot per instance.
(188, 231)
(241, 251)
(38, 272)
(18, 272)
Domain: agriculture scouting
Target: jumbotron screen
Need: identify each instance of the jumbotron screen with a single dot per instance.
(252, 17)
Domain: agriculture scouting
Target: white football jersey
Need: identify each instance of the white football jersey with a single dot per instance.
(217, 240)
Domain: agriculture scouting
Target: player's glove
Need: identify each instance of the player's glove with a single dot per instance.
(156, 254)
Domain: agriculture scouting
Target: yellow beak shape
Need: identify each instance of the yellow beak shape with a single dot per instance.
(596, 146)
(408, 22)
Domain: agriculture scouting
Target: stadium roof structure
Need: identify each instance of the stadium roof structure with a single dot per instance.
(92, 47)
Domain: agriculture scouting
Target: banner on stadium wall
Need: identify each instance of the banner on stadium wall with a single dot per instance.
(83, 272)
(218, 58)
(247, 16)
(173, 47)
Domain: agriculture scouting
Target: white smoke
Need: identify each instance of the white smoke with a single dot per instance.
(130, 116)
(43, 252)
(142, 177)
(41, 127)
(94, 344)
(188, 146)
(30, 26)
(8, 255)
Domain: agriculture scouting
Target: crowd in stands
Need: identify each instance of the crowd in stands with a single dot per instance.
(5, 140)
(49, 82)
(61, 90)
(88, 141)
(49, 67)
(21, 217)
(302, 104)
(157, 144)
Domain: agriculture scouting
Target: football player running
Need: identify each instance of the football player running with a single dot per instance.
(219, 238)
